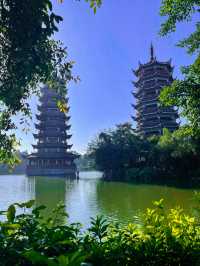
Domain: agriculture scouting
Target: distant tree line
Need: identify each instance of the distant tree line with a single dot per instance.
(85, 163)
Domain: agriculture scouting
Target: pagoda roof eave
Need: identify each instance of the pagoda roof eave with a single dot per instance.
(52, 145)
(67, 155)
(151, 63)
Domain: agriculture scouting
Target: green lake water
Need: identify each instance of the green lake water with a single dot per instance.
(90, 196)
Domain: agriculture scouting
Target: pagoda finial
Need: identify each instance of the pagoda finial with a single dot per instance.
(152, 52)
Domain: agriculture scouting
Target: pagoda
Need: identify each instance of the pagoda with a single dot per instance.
(151, 117)
(51, 156)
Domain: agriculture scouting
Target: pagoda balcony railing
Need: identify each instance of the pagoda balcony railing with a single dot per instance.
(159, 110)
(155, 86)
(47, 118)
(56, 113)
(44, 108)
(149, 112)
(51, 145)
(52, 98)
(154, 75)
(54, 155)
(143, 83)
(151, 127)
(144, 98)
(142, 105)
(147, 88)
(52, 127)
(56, 134)
(150, 124)
(167, 114)
(148, 99)
(53, 122)
(167, 110)
(170, 124)
(145, 116)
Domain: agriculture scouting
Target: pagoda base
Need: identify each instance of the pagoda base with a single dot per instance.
(52, 172)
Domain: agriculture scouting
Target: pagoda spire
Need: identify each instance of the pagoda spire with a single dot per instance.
(152, 56)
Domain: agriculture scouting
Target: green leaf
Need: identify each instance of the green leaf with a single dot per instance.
(10, 226)
(35, 257)
(29, 203)
(11, 213)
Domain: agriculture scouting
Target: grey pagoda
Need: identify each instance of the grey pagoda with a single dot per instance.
(51, 156)
(151, 118)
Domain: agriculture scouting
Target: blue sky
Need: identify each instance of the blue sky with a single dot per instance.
(105, 47)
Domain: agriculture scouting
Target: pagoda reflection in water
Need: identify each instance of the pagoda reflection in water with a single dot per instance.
(51, 156)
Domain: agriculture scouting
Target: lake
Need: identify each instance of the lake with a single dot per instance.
(90, 196)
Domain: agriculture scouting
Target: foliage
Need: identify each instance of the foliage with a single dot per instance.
(185, 93)
(116, 150)
(94, 4)
(162, 238)
(170, 158)
(177, 11)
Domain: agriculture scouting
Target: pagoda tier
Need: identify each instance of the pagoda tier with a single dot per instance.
(42, 135)
(55, 98)
(39, 146)
(51, 156)
(56, 116)
(151, 118)
(54, 125)
(51, 108)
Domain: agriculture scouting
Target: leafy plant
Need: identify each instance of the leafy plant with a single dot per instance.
(184, 93)
(161, 238)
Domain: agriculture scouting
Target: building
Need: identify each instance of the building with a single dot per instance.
(51, 156)
(151, 118)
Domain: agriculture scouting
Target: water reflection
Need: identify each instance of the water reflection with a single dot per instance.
(15, 189)
(122, 202)
(90, 196)
(81, 201)
(49, 192)
(79, 196)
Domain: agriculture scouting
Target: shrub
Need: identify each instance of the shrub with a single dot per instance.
(161, 238)
(144, 174)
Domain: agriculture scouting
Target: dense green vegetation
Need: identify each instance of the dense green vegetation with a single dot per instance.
(159, 238)
(169, 159)
(185, 93)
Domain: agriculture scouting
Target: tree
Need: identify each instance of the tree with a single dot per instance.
(28, 57)
(116, 150)
(185, 93)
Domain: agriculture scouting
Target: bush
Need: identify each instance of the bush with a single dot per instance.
(161, 238)
(133, 174)
(144, 174)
